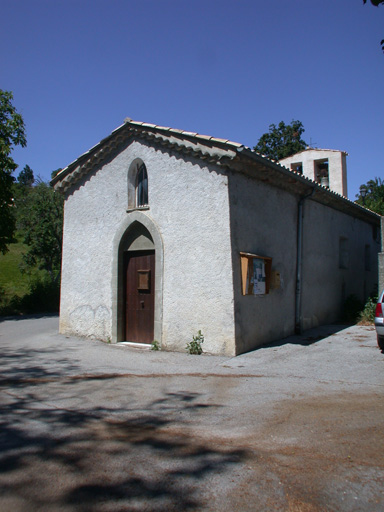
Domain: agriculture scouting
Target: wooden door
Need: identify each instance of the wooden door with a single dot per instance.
(140, 296)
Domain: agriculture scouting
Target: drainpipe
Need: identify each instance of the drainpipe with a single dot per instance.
(300, 217)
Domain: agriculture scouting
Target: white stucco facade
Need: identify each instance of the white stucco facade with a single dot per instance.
(209, 201)
(194, 229)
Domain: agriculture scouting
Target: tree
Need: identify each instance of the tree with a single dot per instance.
(372, 195)
(53, 173)
(21, 190)
(376, 3)
(26, 177)
(282, 140)
(41, 219)
(12, 133)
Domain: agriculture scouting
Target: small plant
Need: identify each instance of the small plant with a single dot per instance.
(155, 345)
(194, 347)
(367, 315)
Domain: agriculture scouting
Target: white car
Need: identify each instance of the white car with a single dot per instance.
(379, 321)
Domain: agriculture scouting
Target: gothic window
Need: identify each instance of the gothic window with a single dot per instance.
(137, 185)
(142, 186)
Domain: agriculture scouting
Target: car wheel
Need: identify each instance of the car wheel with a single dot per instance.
(380, 342)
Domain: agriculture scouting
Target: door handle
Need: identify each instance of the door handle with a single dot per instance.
(142, 304)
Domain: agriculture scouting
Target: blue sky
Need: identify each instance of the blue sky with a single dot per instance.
(222, 68)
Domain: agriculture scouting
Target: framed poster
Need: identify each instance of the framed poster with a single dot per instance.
(255, 274)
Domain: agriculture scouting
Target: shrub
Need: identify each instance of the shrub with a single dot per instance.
(43, 297)
(194, 346)
(367, 315)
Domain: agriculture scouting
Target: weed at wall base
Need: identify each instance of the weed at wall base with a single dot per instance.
(194, 347)
(367, 315)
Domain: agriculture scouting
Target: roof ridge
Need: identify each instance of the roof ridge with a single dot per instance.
(187, 133)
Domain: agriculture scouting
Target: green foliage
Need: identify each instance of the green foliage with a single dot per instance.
(281, 141)
(7, 217)
(26, 177)
(53, 173)
(367, 316)
(12, 280)
(40, 217)
(155, 345)
(19, 291)
(30, 271)
(194, 347)
(374, 198)
(355, 311)
(12, 133)
(43, 297)
(376, 3)
(21, 190)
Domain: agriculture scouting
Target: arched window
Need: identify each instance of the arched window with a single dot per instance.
(137, 185)
(142, 186)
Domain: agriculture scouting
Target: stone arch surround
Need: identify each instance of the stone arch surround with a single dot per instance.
(132, 219)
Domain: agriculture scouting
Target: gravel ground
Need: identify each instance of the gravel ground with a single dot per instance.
(294, 426)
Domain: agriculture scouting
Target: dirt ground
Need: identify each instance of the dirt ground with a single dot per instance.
(296, 426)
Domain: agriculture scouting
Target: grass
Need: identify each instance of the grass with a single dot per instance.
(12, 281)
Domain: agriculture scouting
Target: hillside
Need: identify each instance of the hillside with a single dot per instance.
(22, 293)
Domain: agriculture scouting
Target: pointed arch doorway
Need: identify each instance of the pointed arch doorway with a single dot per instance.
(138, 281)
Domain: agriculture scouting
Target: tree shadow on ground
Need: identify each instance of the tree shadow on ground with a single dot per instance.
(89, 457)
(21, 367)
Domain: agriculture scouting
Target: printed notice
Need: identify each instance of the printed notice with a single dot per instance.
(258, 277)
